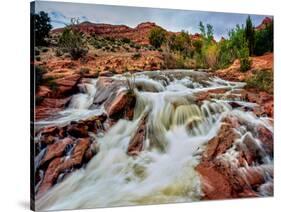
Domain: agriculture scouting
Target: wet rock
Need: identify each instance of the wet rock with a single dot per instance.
(95, 124)
(137, 141)
(106, 88)
(214, 184)
(266, 138)
(264, 100)
(122, 106)
(78, 130)
(56, 150)
(238, 176)
(63, 164)
(219, 144)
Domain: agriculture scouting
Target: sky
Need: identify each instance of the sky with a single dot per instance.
(170, 19)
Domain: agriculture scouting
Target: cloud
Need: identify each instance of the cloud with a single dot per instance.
(170, 19)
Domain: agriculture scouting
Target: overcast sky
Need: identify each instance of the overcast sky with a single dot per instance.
(170, 19)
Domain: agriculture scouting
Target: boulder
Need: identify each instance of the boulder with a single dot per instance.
(136, 143)
(64, 164)
(56, 150)
(122, 106)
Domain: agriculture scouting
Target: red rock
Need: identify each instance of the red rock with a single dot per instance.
(43, 91)
(61, 164)
(138, 34)
(219, 144)
(122, 106)
(49, 107)
(66, 85)
(214, 184)
(56, 150)
(266, 137)
(78, 153)
(137, 141)
(78, 130)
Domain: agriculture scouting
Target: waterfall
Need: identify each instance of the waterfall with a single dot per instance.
(178, 127)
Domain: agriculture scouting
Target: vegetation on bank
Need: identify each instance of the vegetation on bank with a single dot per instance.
(242, 42)
(179, 50)
(261, 80)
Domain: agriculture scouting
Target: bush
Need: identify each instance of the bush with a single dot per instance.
(157, 37)
(126, 40)
(225, 55)
(73, 42)
(136, 56)
(210, 53)
(262, 80)
(245, 63)
(180, 42)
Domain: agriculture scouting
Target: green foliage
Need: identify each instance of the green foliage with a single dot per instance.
(126, 40)
(225, 54)
(72, 40)
(262, 80)
(42, 26)
(157, 37)
(264, 40)
(180, 42)
(207, 35)
(245, 63)
(250, 35)
(210, 54)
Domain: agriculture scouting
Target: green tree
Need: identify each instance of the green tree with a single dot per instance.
(264, 40)
(42, 26)
(250, 35)
(210, 32)
(180, 42)
(157, 37)
(73, 41)
(202, 29)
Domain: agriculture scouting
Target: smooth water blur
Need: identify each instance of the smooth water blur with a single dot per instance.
(177, 126)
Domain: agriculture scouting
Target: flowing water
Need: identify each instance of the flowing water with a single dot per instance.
(177, 128)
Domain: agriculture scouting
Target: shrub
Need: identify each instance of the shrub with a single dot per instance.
(211, 53)
(136, 56)
(225, 55)
(262, 80)
(157, 37)
(73, 42)
(180, 42)
(245, 63)
(126, 40)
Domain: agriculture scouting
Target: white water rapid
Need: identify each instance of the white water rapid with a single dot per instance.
(178, 127)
